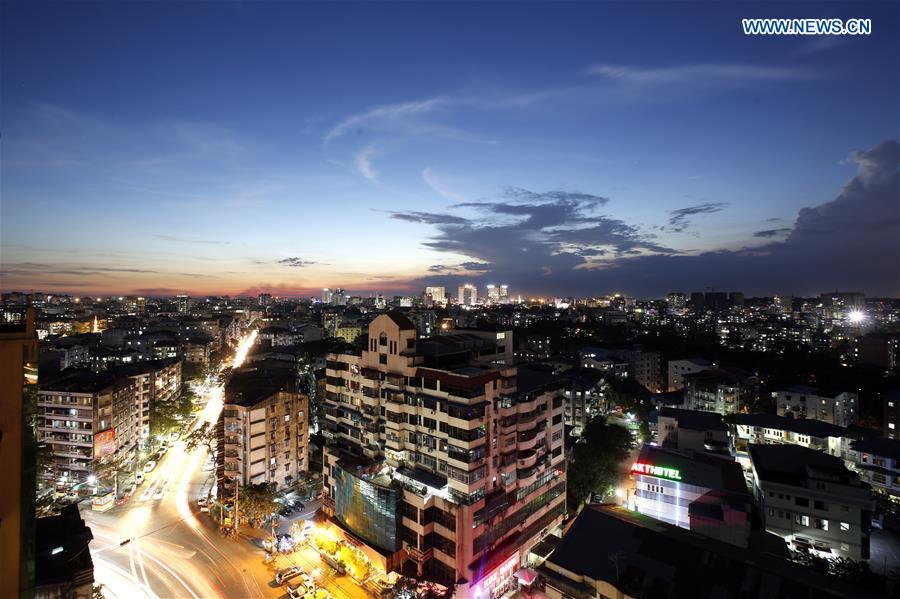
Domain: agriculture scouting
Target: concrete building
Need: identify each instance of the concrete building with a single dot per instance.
(467, 295)
(18, 378)
(467, 468)
(812, 500)
(437, 295)
(690, 430)
(692, 490)
(878, 463)
(85, 417)
(716, 390)
(676, 303)
(497, 294)
(679, 368)
(800, 401)
(769, 429)
(262, 432)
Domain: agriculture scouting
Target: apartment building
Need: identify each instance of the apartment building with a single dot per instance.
(679, 368)
(262, 432)
(770, 429)
(800, 401)
(692, 430)
(878, 463)
(812, 500)
(156, 381)
(463, 468)
(84, 417)
(716, 390)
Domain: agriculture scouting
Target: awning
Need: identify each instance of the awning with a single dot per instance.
(526, 576)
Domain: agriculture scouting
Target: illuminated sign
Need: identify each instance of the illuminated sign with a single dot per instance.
(104, 443)
(660, 471)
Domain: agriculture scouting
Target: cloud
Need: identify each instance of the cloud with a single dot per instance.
(429, 218)
(772, 232)
(703, 73)
(179, 239)
(403, 115)
(680, 219)
(296, 262)
(528, 234)
(364, 163)
(437, 184)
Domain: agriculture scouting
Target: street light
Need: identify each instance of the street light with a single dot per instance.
(92, 480)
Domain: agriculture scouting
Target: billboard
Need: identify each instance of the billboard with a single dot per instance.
(104, 443)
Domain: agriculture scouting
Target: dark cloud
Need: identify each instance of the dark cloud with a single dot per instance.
(680, 219)
(466, 266)
(772, 232)
(429, 218)
(563, 246)
(296, 262)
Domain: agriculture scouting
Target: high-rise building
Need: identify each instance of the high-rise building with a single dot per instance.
(339, 297)
(265, 299)
(437, 455)
(435, 295)
(262, 432)
(498, 294)
(676, 303)
(801, 401)
(183, 303)
(18, 376)
(326, 296)
(467, 295)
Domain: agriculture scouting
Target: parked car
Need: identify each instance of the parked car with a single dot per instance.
(149, 466)
(147, 494)
(160, 492)
(287, 574)
(138, 478)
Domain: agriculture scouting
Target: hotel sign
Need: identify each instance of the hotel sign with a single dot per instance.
(660, 471)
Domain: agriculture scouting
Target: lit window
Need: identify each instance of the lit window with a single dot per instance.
(845, 526)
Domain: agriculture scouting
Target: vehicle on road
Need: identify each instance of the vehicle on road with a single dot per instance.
(149, 466)
(147, 494)
(287, 574)
(138, 478)
(160, 492)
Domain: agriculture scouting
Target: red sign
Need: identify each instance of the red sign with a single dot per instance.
(104, 443)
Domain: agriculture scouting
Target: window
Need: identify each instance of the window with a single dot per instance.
(820, 505)
(801, 501)
(801, 519)
(845, 547)
(845, 526)
(821, 524)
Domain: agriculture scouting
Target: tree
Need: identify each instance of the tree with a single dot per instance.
(595, 460)
(257, 502)
(204, 436)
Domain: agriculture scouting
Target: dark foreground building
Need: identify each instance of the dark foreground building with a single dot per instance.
(63, 565)
(609, 552)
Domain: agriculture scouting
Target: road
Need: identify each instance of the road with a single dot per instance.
(165, 547)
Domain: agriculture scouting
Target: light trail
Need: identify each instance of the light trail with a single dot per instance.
(178, 469)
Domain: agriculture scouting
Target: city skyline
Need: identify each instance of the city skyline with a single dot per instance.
(294, 150)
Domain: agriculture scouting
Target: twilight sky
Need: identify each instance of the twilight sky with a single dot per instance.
(566, 148)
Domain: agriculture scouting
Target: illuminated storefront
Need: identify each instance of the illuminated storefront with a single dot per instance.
(498, 581)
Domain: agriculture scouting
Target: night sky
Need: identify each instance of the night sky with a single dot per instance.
(562, 149)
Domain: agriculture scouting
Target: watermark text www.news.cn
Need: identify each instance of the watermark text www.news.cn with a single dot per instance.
(807, 26)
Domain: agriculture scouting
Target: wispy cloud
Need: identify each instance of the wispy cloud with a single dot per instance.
(697, 73)
(429, 218)
(364, 163)
(179, 239)
(434, 181)
(399, 113)
(772, 233)
(680, 219)
(296, 262)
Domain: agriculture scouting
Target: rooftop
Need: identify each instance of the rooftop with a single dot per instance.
(645, 557)
(801, 426)
(695, 419)
(882, 446)
(698, 469)
(794, 465)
